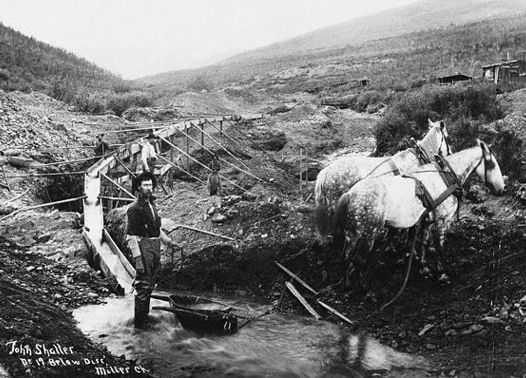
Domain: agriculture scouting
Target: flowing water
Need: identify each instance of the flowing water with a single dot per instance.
(276, 345)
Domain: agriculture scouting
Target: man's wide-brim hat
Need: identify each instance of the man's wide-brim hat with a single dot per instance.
(144, 176)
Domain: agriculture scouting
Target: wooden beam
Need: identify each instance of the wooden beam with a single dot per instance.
(226, 135)
(120, 186)
(201, 231)
(204, 166)
(187, 151)
(302, 300)
(124, 166)
(333, 311)
(295, 277)
(42, 205)
(226, 161)
(176, 166)
(224, 149)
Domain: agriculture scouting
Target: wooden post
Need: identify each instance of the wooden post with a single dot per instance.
(187, 149)
(202, 126)
(221, 129)
(301, 179)
(306, 170)
(111, 194)
(171, 170)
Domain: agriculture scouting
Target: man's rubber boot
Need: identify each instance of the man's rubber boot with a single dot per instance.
(141, 313)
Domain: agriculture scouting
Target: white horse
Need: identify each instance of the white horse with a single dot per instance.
(372, 203)
(342, 174)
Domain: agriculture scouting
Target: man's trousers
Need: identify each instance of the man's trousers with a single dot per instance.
(145, 282)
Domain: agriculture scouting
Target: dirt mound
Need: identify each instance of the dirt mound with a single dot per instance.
(22, 126)
(203, 104)
(267, 139)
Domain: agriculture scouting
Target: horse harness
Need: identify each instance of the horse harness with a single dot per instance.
(421, 154)
(453, 186)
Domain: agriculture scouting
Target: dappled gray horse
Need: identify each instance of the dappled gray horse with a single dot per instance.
(375, 202)
(342, 174)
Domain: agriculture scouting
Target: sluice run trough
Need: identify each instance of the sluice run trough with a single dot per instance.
(110, 177)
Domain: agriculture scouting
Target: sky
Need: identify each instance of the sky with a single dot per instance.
(136, 38)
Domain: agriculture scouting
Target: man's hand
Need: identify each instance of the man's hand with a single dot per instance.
(139, 265)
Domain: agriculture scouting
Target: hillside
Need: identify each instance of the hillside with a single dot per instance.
(421, 15)
(29, 65)
(394, 63)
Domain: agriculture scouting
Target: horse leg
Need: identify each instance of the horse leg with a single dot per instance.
(442, 226)
(348, 251)
(425, 247)
(357, 271)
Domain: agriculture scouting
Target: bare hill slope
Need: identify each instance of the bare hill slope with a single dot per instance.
(421, 15)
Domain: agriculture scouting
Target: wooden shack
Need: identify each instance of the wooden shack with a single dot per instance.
(510, 70)
(454, 78)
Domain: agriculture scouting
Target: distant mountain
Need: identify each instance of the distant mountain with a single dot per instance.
(422, 15)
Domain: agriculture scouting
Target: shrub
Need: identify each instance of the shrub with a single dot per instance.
(122, 87)
(511, 154)
(90, 102)
(199, 83)
(4, 75)
(463, 108)
(120, 102)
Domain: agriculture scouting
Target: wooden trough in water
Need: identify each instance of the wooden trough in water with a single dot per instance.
(199, 314)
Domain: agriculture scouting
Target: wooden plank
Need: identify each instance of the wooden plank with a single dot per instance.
(296, 278)
(115, 249)
(302, 300)
(201, 231)
(335, 312)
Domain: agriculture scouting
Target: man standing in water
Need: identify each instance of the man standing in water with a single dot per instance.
(144, 237)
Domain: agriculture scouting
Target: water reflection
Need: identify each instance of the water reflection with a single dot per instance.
(277, 345)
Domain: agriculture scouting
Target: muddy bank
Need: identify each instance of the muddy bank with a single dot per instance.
(38, 335)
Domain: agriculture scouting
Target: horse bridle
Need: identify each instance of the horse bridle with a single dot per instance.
(483, 158)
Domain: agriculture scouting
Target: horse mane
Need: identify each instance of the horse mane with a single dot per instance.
(428, 142)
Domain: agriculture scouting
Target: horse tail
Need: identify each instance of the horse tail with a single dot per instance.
(322, 216)
(343, 219)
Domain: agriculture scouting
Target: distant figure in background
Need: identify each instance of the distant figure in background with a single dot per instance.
(214, 181)
(214, 164)
(148, 154)
(101, 148)
(214, 184)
